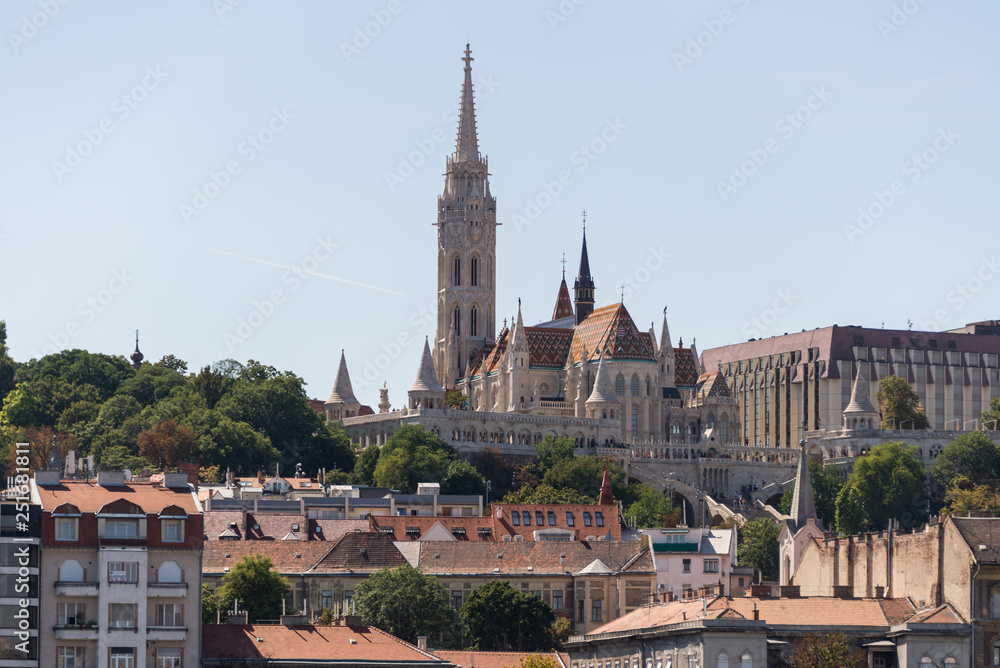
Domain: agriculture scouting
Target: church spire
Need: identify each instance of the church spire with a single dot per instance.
(803, 506)
(564, 307)
(583, 288)
(467, 144)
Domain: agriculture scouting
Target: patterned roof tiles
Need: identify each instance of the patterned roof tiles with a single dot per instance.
(612, 330)
(564, 305)
(685, 368)
(548, 347)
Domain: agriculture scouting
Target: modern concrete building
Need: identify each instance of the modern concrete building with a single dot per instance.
(120, 583)
(807, 377)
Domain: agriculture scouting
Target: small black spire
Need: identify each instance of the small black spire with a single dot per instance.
(583, 288)
(136, 356)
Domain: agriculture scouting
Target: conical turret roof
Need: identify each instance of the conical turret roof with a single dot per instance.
(603, 392)
(860, 400)
(426, 378)
(342, 392)
(564, 305)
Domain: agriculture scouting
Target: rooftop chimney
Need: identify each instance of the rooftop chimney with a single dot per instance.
(111, 478)
(422, 642)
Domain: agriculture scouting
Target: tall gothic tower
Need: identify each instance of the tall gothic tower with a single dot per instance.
(466, 225)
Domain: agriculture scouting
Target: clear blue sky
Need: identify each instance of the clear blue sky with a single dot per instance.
(96, 246)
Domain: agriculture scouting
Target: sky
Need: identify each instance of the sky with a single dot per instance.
(258, 180)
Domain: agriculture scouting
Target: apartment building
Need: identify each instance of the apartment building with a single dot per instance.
(120, 576)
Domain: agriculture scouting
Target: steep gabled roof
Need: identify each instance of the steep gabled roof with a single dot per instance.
(685, 368)
(564, 305)
(548, 347)
(360, 553)
(981, 535)
(611, 329)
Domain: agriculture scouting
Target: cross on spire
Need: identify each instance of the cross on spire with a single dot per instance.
(564, 265)
(468, 57)
(584, 220)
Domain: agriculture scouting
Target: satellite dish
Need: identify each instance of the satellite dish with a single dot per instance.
(128, 475)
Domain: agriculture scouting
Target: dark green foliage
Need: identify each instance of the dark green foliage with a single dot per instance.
(650, 507)
(553, 450)
(463, 478)
(410, 456)
(899, 404)
(585, 474)
(406, 603)
(886, 484)
(972, 455)
(364, 467)
(258, 588)
(497, 617)
(757, 546)
(546, 494)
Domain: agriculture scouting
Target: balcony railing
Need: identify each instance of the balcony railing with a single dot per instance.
(76, 632)
(167, 589)
(64, 588)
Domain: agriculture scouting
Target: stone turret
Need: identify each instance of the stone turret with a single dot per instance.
(602, 402)
(426, 392)
(342, 402)
(860, 412)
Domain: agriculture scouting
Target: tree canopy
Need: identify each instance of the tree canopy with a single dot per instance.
(585, 474)
(650, 508)
(406, 603)
(886, 484)
(411, 455)
(258, 588)
(972, 455)
(498, 617)
(899, 404)
(829, 650)
(553, 450)
(757, 546)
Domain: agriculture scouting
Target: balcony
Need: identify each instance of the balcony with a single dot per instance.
(166, 633)
(76, 588)
(171, 589)
(76, 632)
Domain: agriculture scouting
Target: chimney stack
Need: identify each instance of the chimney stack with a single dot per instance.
(422, 643)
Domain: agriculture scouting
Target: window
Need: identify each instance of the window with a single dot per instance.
(580, 609)
(125, 529)
(72, 614)
(620, 385)
(635, 386)
(557, 599)
(326, 599)
(595, 611)
(170, 614)
(586, 518)
(687, 565)
(635, 420)
(457, 278)
(123, 572)
(723, 660)
(348, 594)
(458, 327)
(456, 599)
(169, 572)
(569, 518)
(711, 565)
(474, 322)
(122, 657)
(121, 615)
(599, 516)
(552, 518)
(70, 657)
(527, 518)
(746, 661)
(539, 518)
(515, 518)
(70, 571)
(66, 530)
(172, 531)
(168, 657)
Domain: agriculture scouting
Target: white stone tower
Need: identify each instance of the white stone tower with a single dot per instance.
(466, 249)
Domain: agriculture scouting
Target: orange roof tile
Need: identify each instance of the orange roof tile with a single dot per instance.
(90, 497)
(477, 659)
(943, 614)
(310, 643)
(288, 556)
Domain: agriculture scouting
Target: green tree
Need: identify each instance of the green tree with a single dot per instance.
(899, 404)
(546, 494)
(462, 478)
(364, 467)
(758, 547)
(541, 660)
(455, 399)
(650, 507)
(829, 650)
(972, 455)
(213, 382)
(173, 363)
(553, 450)
(886, 484)
(39, 402)
(411, 455)
(786, 501)
(991, 416)
(497, 617)
(214, 606)
(229, 444)
(8, 367)
(406, 603)
(585, 475)
(500, 469)
(105, 373)
(152, 383)
(826, 484)
(258, 588)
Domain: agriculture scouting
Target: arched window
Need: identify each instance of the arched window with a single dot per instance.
(723, 660)
(620, 385)
(746, 661)
(71, 571)
(711, 420)
(635, 385)
(647, 386)
(169, 572)
(474, 321)
(676, 429)
(457, 280)
(474, 272)
(724, 429)
(635, 420)
(693, 429)
(458, 323)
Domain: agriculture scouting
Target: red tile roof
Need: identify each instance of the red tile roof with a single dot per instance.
(496, 659)
(90, 497)
(564, 305)
(503, 525)
(612, 330)
(288, 556)
(314, 644)
(943, 614)
(685, 368)
(360, 553)
(277, 526)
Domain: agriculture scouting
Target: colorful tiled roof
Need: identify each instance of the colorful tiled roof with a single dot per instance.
(685, 368)
(564, 305)
(712, 385)
(612, 330)
(341, 645)
(548, 347)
